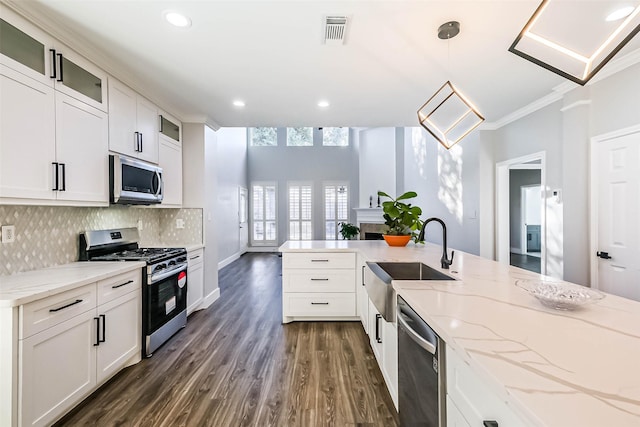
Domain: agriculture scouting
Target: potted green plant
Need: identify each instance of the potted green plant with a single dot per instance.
(348, 230)
(402, 219)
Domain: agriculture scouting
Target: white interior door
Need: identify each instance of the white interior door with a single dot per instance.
(243, 212)
(617, 182)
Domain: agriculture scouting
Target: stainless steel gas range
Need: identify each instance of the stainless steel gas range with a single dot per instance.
(164, 291)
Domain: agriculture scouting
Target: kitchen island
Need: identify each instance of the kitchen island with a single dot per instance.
(548, 367)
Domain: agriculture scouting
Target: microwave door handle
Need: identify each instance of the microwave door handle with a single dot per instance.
(158, 177)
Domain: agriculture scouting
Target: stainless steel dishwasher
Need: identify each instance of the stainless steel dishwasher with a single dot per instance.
(421, 371)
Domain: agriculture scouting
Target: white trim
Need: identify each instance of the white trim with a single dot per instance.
(523, 214)
(593, 194)
(502, 224)
(229, 260)
(262, 249)
(576, 104)
(516, 250)
(210, 299)
(525, 167)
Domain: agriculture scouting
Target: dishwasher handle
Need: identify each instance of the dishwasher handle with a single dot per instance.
(425, 344)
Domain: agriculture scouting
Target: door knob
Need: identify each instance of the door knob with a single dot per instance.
(603, 255)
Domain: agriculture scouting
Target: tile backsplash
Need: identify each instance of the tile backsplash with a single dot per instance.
(48, 235)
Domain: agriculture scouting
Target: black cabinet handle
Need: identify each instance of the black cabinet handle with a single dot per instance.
(363, 275)
(53, 310)
(319, 280)
(54, 70)
(603, 255)
(104, 328)
(121, 285)
(195, 257)
(161, 127)
(319, 260)
(141, 148)
(136, 141)
(490, 423)
(378, 317)
(56, 177)
(97, 343)
(60, 77)
(319, 303)
(64, 177)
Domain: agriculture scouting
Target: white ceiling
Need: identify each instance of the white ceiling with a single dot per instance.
(270, 54)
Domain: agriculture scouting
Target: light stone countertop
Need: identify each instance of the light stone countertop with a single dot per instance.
(553, 368)
(22, 288)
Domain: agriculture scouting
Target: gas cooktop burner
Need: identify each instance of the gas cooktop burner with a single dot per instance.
(142, 254)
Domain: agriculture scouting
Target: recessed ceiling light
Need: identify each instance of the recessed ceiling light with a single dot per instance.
(323, 104)
(238, 103)
(620, 13)
(177, 19)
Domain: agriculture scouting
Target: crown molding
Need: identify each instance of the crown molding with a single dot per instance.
(559, 91)
(576, 104)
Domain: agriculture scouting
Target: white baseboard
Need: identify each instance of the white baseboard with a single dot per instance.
(516, 250)
(262, 249)
(210, 299)
(228, 260)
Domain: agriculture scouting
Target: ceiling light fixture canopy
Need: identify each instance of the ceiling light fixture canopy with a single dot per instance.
(448, 116)
(575, 55)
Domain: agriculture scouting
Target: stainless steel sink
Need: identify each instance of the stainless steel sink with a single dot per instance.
(411, 271)
(379, 285)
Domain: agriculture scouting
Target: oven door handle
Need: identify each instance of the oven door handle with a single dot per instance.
(161, 276)
(414, 335)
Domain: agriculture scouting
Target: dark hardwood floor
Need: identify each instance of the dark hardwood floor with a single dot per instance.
(527, 262)
(235, 364)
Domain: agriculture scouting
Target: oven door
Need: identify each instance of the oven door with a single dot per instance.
(166, 298)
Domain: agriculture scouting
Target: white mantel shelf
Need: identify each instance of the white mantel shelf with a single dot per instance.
(553, 368)
(370, 215)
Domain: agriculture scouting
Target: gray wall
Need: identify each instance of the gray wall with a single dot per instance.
(517, 179)
(447, 183)
(231, 160)
(539, 131)
(317, 164)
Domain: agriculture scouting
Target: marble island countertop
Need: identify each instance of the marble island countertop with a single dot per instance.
(29, 286)
(553, 368)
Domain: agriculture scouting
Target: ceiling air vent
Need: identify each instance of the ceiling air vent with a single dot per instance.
(335, 28)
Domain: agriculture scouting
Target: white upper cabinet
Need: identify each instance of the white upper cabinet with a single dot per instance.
(77, 77)
(33, 53)
(81, 149)
(24, 48)
(170, 157)
(26, 151)
(133, 123)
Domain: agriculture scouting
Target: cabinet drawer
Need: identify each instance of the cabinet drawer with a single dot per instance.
(319, 280)
(42, 314)
(319, 260)
(195, 257)
(320, 304)
(116, 286)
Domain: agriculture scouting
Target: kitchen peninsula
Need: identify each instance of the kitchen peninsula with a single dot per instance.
(544, 367)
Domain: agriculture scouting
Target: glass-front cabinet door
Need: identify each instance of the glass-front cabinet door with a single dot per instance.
(23, 47)
(79, 78)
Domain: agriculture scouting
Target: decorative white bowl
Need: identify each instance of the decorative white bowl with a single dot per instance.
(560, 295)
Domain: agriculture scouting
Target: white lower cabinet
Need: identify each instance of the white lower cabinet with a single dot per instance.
(473, 402)
(68, 345)
(361, 294)
(122, 323)
(195, 280)
(58, 369)
(383, 337)
(318, 286)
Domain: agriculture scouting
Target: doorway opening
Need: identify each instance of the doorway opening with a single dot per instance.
(520, 212)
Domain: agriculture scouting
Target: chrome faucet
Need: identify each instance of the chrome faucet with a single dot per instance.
(445, 262)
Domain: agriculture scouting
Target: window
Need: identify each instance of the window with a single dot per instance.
(263, 215)
(299, 137)
(300, 208)
(263, 137)
(336, 208)
(335, 137)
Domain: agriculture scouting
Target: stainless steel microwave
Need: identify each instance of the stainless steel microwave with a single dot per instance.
(133, 182)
